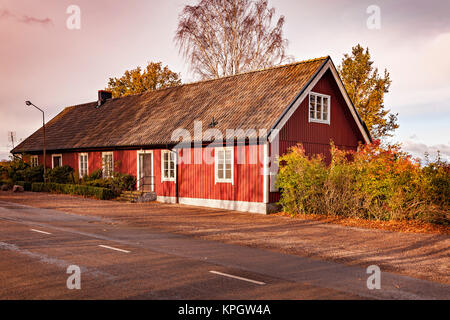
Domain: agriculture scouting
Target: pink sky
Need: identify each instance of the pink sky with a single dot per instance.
(54, 67)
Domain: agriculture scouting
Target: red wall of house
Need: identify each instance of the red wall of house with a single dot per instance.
(198, 180)
(195, 180)
(162, 188)
(316, 137)
(124, 160)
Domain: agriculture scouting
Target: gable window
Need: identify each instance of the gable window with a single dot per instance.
(56, 160)
(168, 163)
(34, 161)
(224, 161)
(83, 164)
(319, 108)
(108, 164)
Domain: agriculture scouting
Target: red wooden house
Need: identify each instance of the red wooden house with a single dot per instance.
(172, 139)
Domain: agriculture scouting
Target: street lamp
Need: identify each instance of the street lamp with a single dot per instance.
(29, 103)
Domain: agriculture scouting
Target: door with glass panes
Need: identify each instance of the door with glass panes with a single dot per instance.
(145, 182)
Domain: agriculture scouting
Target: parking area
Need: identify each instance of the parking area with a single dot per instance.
(423, 256)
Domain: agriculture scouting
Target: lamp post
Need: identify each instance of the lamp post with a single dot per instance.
(29, 103)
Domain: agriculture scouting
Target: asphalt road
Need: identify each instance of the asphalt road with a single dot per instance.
(119, 262)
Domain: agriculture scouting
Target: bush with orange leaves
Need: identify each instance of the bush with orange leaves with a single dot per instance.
(375, 182)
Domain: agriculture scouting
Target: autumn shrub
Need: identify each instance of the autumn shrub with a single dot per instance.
(118, 182)
(63, 174)
(302, 179)
(12, 171)
(26, 185)
(33, 174)
(375, 182)
(94, 175)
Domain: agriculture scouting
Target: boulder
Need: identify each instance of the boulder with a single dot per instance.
(147, 197)
(17, 188)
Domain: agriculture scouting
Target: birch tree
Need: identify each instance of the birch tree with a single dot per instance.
(226, 37)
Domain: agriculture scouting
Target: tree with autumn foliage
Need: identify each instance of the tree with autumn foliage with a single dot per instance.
(366, 88)
(135, 81)
(226, 37)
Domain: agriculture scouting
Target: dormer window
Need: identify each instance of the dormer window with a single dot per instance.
(319, 108)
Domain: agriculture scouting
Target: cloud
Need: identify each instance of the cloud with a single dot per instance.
(419, 149)
(4, 14)
(29, 20)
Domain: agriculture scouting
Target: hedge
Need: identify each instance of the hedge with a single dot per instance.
(26, 185)
(375, 182)
(74, 189)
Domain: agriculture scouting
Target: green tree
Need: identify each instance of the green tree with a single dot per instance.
(366, 89)
(137, 81)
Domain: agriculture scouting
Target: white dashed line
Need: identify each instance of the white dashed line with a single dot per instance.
(239, 278)
(34, 230)
(112, 248)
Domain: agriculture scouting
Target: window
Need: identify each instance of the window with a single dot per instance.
(108, 164)
(56, 160)
(319, 108)
(224, 160)
(83, 164)
(168, 162)
(34, 161)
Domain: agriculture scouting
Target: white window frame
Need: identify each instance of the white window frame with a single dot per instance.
(163, 178)
(53, 162)
(216, 165)
(315, 108)
(111, 153)
(80, 155)
(33, 158)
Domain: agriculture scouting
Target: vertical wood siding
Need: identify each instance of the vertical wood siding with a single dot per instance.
(195, 180)
(198, 180)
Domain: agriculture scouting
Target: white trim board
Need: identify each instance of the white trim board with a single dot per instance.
(328, 66)
(54, 156)
(80, 155)
(138, 172)
(107, 153)
(216, 165)
(169, 152)
(266, 173)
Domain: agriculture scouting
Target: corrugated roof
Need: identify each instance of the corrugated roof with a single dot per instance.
(252, 100)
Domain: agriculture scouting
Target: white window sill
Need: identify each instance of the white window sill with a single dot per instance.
(224, 181)
(319, 121)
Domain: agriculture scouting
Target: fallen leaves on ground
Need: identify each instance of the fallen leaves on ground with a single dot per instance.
(391, 225)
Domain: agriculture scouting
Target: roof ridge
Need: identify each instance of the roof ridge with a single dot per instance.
(214, 79)
(252, 71)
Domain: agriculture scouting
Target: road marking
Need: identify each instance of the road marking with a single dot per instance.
(239, 278)
(112, 248)
(40, 231)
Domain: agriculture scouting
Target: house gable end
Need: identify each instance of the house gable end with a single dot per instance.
(328, 69)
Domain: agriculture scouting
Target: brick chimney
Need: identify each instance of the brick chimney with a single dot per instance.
(103, 95)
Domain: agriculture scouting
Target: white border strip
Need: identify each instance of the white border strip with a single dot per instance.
(238, 278)
(244, 206)
(112, 248)
(34, 230)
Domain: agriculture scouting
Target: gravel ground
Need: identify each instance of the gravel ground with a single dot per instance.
(425, 256)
